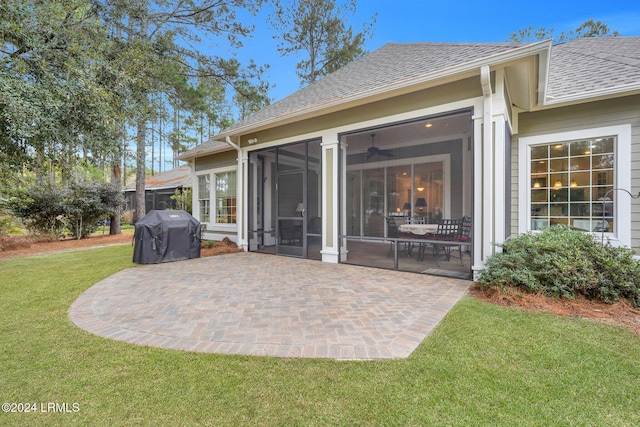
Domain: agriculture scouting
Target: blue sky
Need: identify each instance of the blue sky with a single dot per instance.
(445, 21)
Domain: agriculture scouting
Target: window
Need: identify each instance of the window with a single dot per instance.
(221, 188)
(204, 198)
(226, 198)
(568, 179)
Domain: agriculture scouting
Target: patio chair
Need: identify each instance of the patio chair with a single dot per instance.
(414, 220)
(448, 233)
(463, 236)
(394, 233)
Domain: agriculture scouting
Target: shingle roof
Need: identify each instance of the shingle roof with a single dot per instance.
(393, 63)
(576, 68)
(592, 64)
(178, 177)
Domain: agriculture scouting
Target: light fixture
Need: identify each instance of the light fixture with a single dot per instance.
(421, 188)
(557, 184)
(406, 207)
(536, 184)
(421, 203)
(574, 184)
(428, 125)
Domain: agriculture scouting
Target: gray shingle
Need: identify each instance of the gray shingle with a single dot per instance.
(590, 64)
(577, 67)
(391, 64)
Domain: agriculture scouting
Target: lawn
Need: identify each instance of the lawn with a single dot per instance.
(484, 365)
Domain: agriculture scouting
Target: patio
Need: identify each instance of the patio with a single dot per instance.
(256, 304)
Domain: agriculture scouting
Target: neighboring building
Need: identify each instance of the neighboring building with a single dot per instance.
(516, 136)
(159, 188)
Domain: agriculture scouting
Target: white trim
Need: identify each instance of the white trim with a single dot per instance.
(622, 173)
(213, 226)
(470, 103)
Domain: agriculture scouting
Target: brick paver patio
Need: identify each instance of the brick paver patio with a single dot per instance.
(254, 304)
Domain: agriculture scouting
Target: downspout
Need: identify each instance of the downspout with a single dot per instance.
(239, 194)
(233, 144)
(488, 166)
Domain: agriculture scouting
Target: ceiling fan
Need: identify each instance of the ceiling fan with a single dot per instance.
(373, 150)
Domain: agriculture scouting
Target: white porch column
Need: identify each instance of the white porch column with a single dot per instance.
(490, 157)
(499, 161)
(330, 202)
(487, 195)
(242, 190)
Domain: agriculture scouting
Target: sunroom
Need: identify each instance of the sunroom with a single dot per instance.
(409, 175)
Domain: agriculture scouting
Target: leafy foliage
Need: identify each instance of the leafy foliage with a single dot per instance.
(564, 262)
(55, 100)
(51, 209)
(183, 199)
(317, 29)
(589, 28)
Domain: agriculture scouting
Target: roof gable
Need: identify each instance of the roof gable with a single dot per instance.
(390, 65)
(591, 65)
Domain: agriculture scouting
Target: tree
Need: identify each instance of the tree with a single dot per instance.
(317, 30)
(589, 28)
(159, 48)
(54, 105)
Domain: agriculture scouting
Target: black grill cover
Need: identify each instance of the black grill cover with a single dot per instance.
(164, 236)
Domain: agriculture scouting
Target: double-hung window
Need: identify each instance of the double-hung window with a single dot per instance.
(204, 198)
(217, 197)
(225, 198)
(571, 178)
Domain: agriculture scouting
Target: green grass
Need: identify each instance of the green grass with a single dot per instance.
(484, 365)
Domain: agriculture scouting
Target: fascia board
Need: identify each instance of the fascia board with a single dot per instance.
(614, 92)
(188, 155)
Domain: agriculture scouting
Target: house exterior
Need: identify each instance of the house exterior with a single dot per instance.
(516, 136)
(159, 188)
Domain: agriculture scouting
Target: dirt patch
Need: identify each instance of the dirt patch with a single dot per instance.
(21, 246)
(621, 313)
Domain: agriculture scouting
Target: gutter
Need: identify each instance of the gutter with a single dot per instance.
(227, 139)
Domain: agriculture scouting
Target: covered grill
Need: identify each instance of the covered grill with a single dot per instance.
(164, 236)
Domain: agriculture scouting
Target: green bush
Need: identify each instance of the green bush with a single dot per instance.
(563, 262)
(183, 199)
(40, 208)
(54, 210)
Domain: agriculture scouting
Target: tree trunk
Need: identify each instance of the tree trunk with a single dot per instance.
(114, 224)
(140, 169)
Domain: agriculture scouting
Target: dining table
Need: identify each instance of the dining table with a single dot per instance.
(418, 229)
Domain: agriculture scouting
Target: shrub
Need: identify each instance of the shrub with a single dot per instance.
(563, 262)
(183, 199)
(40, 208)
(50, 209)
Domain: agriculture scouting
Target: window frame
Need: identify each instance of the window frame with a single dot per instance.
(213, 173)
(621, 236)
